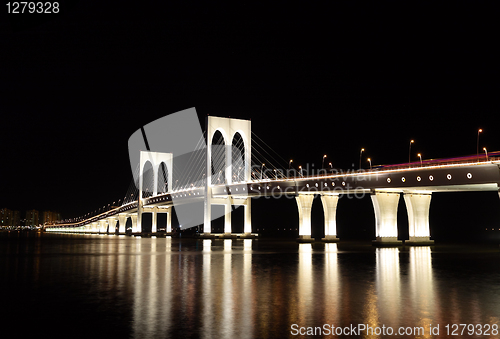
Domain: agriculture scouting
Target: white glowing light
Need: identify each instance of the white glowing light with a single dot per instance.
(431, 177)
(389, 180)
(419, 178)
(403, 179)
(448, 176)
(469, 175)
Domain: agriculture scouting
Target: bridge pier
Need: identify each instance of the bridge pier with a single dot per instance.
(385, 205)
(329, 202)
(207, 205)
(227, 217)
(417, 206)
(246, 204)
(134, 218)
(138, 220)
(168, 229)
(111, 225)
(103, 224)
(154, 219)
(247, 226)
(228, 206)
(304, 204)
(122, 221)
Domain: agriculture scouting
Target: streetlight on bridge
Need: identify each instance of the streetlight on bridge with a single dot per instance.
(360, 153)
(486, 152)
(370, 161)
(420, 156)
(409, 151)
(477, 144)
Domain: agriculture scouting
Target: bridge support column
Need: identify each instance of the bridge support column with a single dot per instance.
(329, 202)
(168, 229)
(417, 206)
(122, 221)
(246, 204)
(134, 219)
(207, 204)
(385, 205)
(247, 227)
(154, 219)
(103, 224)
(94, 227)
(138, 224)
(227, 217)
(304, 203)
(111, 225)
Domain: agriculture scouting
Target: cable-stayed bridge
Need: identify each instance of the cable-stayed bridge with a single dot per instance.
(229, 165)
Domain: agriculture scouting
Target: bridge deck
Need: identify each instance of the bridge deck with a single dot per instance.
(435, 177)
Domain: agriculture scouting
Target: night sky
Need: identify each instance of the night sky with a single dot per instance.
(314, 79)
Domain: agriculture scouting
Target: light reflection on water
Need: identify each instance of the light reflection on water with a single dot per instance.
(421, 285)
(163, 287)
(387, 291)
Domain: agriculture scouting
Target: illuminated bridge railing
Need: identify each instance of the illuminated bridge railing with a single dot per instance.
(442, 162)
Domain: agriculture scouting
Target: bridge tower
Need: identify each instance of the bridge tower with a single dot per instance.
(229, 128)
(156, 159)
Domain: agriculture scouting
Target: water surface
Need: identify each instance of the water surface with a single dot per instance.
(90, 286)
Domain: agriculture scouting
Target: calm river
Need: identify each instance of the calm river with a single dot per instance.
(90, 286)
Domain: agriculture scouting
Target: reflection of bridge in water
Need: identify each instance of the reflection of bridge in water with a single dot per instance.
(245, 294)
(223, 170)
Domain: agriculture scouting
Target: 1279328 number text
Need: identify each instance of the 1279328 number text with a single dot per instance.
(471, 329)
(32, 7)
